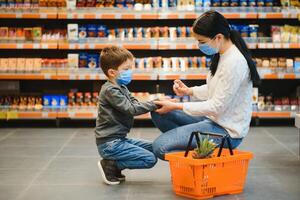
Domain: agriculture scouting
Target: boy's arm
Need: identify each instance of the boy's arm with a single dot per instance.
(133, 107)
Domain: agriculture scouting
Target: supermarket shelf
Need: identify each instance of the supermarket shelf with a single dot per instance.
(37, 13)
(25, 76)
(274, 114)
(28, 115)
(28, 45)
(117, 13)
(93, 114)
(278, 46)
(143, 44)
(137, 76)
(8, 115)
(105, 13)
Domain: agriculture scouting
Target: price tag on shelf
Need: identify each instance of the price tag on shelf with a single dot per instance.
(47, 76)
(118, 16)
(91, 46)
(2, 115)
(270, 45)
(72, 77)
(71, 46)
(80, 16)
(286, 45)
(12, 115)
(43, 15)
(81, 46)
(36, 46)
(45, 115)
(44, 46)
(20, 45)
(19, 15)
(277, 45)
(81, 77)
(93, 77)
(72, 114)
(243, 15)
(261, 45)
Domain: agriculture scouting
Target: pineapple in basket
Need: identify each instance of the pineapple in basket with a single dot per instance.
(205, 148)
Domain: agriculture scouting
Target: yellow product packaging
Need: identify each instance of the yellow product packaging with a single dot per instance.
(285, 34)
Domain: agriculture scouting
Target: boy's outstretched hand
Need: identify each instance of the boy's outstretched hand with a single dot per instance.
(181, 89)
(166, 106)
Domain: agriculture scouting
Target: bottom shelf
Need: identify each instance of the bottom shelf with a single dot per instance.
(89, 114)
(8, 115)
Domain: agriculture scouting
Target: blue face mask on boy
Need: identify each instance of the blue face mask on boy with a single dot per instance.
(207, 49)
(124, 77)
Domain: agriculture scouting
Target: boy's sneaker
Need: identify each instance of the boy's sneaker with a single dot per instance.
(108, 171)
(120, 176)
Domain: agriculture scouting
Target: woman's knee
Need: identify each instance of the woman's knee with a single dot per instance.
(159, 149)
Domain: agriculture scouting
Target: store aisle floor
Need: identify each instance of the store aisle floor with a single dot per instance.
(60, 164)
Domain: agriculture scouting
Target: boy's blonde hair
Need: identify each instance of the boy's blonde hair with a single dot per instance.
(112, 57)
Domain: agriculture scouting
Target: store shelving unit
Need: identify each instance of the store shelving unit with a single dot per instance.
(154, 46)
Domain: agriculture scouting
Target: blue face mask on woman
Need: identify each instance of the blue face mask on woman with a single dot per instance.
(207, 49)
(124, 77)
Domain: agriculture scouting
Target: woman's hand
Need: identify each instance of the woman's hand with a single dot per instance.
(181, 89)
(167, 106)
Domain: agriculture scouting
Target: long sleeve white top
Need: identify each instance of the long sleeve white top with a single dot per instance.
(227, 97)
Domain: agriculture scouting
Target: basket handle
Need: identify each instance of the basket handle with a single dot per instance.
(196, 135)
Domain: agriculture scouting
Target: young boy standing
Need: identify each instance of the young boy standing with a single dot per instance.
(116, 111)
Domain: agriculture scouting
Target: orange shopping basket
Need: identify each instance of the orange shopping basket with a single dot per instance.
(206, 178)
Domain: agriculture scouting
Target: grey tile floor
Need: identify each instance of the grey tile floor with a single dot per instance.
(60, 164)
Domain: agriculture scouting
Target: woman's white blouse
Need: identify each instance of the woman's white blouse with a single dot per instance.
(227, 97)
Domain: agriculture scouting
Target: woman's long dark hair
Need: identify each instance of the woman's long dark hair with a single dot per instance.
(210, 24)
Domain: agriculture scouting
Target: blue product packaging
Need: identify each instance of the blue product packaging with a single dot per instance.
(120, 3)
(101, 31)
(178, 29)
(82, 60)
(188, 32)
(92, 30)
(63, 101)
(208, 62)
(216, 3)
(235, 3)
(172, 3)
(46, 100)
(54, 101)
(253, 31)
(199, 62)
(92, 61)
(297, 65)
(82, 32)
(2, 3)
(234, 27)
(190, 62)
(244, 31)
